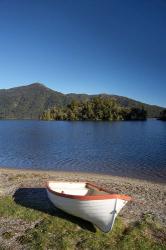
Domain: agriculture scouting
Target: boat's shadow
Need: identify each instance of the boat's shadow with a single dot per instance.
(36, 198)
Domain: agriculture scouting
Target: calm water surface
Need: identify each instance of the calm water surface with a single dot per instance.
(134, 149)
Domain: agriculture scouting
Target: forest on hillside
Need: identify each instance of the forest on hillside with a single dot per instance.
(29, 102)
(96, 109)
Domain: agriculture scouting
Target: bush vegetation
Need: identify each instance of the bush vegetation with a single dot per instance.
(97, 108)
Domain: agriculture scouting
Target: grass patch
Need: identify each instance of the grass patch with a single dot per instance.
(8, 208)
(7, 235)
(54, 232)
(17, 177)
(147, 234)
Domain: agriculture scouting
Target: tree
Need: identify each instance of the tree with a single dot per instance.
(97, 108)
(137, 114)
(163, 115)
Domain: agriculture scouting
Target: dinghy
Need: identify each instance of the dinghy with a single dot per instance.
(87, 201)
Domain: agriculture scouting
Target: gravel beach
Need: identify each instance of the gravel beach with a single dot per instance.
(148, 197)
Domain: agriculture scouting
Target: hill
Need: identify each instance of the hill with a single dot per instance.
(28, 102)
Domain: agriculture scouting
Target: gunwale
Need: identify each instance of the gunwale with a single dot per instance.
(108, 195)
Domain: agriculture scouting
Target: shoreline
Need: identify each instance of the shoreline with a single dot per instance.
(148, 197)
(84, 173)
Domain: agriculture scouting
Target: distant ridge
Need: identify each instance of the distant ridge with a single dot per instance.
(29, 101)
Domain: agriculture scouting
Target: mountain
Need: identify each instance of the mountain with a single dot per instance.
(28, 102)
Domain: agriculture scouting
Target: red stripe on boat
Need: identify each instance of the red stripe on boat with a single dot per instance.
(90, 197)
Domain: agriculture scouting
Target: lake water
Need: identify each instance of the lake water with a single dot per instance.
(134, 149)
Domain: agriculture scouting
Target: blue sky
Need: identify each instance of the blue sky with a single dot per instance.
(86, 46)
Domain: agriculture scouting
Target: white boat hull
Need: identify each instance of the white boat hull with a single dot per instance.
(101, 212)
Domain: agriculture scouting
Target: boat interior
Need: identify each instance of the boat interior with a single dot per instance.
(77, 188)
(93, 190)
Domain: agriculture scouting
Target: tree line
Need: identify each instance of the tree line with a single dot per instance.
(98, 108)
(163, 115)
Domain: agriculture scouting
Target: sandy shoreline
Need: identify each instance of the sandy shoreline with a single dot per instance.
(148, 197)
